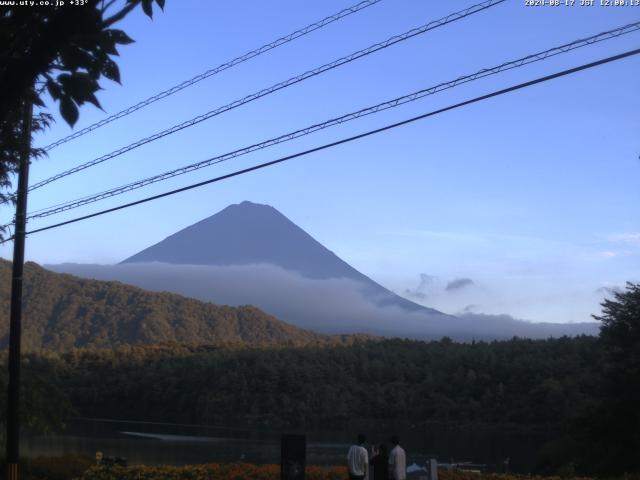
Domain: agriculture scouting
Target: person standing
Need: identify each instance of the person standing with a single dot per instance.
(397, 460)
(358, 460)
(380, 464)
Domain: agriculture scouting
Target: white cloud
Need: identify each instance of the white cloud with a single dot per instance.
(629, 238)
(328, 306)
(616, 253)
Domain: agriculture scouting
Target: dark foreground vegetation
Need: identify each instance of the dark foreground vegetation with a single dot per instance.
(586, 389)
(63, 311)
(66, 468)
(519, 382)
(514, 384)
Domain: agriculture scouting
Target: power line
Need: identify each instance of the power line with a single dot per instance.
(279, 86)
(220, 68)
(54, 209)
(345, 140)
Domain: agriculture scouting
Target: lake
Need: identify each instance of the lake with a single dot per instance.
(160, 443)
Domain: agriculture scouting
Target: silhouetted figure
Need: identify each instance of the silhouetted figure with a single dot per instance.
(358, 460)
(380, 464)
(397, 460)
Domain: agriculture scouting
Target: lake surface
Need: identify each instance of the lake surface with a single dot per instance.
(157, 443)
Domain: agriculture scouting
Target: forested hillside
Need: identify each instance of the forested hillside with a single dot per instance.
(519, 382)
(62, 311)
(556, 386)
(162, 357)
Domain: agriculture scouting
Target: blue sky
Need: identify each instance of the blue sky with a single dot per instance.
(533, 196)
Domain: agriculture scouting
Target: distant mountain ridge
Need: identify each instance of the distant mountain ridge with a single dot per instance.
(251, 254)
(251, 233)
(62, 311)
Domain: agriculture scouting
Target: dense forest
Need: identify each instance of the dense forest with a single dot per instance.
(584, 389)
(161, 357)
(63, 311)
(520, 384)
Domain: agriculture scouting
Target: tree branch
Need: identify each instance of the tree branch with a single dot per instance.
(106, 7)
(121, 14)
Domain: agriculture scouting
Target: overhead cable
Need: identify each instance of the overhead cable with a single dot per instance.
(536, 57)
(344, 140)
(278, 86)
(213, 71)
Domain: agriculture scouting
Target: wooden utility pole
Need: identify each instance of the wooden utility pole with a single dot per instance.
(15, 327)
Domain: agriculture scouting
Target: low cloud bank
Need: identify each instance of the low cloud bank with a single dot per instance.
(458, 284)
(327, 306)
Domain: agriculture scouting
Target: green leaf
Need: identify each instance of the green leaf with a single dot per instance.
(107, 43)
(80, 87)
(64, 79)
(92, 99)
(110, 70)
(38, 101)
(74, 57)
(68, 110)
(147, 7)
(54, 89)
(120, 37)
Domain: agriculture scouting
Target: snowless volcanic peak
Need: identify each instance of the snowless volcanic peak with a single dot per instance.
(244, 234)
(251, 254)
(251, 233)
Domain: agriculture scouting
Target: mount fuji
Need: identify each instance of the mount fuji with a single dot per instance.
(251, 254)
(254, 234)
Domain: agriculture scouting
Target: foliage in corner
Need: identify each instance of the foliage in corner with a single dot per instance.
(62, 52)
(615, 427)
(66, 50)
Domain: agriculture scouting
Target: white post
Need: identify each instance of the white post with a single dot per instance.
(433, 469)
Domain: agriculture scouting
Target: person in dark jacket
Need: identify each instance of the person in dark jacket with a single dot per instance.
(380, 464)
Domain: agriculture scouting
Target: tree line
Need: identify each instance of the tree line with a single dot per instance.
(586, 389)
(526, 384)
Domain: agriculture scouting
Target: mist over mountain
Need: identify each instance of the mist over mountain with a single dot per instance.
(331, 306)
(254, 234)
(62, 311)
(252, 254)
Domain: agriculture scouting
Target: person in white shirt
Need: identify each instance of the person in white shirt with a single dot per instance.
(397, 460)
(358, 460)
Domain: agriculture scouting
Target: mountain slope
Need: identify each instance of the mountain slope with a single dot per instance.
(250, 254)
(251, 234)
(63, 311)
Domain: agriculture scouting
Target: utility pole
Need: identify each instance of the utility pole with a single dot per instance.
(15, 327)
